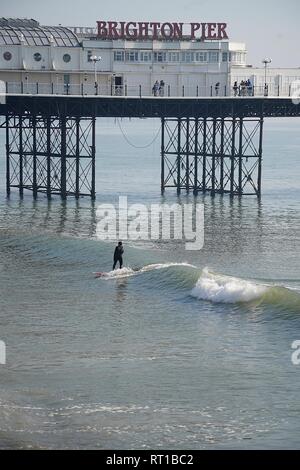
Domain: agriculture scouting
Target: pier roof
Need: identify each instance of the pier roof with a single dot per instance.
(17, 31)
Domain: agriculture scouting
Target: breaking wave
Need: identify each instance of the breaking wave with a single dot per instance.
(127, 271)
(224, 289)
(218, 288)
(210, 286)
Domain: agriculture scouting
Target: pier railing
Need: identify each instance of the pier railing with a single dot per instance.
(145, 91)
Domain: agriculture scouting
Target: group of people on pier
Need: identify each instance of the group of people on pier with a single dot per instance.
(245, 88)
(158, 88)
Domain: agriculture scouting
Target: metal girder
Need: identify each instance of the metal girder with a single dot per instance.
(98, 106)
(51, 155)
(216, 155)
(208, 144)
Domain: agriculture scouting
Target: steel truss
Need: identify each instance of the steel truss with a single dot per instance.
(217, 155)
(51, 155)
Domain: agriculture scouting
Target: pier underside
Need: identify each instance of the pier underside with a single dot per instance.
(216, 155)
(51, 155)
(211, 145)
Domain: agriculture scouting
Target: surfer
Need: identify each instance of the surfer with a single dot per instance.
(118, 255)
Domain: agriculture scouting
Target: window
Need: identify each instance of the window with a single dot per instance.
(201, 56)
(237, 57)
(145, 56)
(225, 57)
(37, 57)
(213, 57)
(7, 55)
(174, 57)
(188, 57)
(160, 56)
(119, 56)
(290, 80)
(67, 58)
(89, 56)
(132, 56)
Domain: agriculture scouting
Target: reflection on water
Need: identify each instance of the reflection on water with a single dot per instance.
(70, 217)
(121, 292)
(78, 217)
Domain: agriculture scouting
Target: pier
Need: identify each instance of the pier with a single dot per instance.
(212, 144)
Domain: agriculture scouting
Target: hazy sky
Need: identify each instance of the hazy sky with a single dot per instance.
(270, 28)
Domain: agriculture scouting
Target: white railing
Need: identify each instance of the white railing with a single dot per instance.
(144, 91)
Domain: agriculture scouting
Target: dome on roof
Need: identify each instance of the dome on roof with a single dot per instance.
(16, 31)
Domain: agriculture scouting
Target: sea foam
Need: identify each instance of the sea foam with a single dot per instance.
(224, 289)
(127, 271)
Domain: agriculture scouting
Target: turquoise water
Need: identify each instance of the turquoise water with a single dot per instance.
(193, 351)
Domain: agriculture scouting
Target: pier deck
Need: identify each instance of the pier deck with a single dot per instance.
(210, 145)
(149, 107)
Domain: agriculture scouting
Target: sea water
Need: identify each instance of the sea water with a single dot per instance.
(188, 350)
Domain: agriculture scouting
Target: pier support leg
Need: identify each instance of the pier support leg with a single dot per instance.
(21, 158)
(260, 154)
(63, 159)
(226, 155)
(7, 159)
(93, 159)
(162, 179)
(179, 157)
(51, 155)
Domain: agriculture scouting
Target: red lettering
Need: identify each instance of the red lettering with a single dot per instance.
(102, 30)
(178, 28)
(143, 30)
(211, 33)
(194, 27)
(155, 27)
(112, 30)
(131, 33)
(167, 30)
(122, 29)
(222, 34)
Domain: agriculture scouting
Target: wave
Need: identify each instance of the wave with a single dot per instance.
(183, 278)
(211, 286)
(218, 288)
(224, 289)
(128, 272)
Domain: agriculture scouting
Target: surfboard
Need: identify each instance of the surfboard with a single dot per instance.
(99, 274)
(105, 274)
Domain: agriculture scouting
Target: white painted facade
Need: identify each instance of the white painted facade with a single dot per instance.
(131, 67)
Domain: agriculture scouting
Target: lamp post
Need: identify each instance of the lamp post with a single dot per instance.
(95, 59)
(266, 62)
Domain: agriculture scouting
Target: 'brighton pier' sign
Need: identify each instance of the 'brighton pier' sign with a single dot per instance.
(145, 30)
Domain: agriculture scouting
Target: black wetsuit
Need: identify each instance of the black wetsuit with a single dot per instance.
(118, 256)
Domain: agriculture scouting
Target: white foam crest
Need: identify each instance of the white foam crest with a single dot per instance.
(152, 267)
(127, 272)
(119, 273)
(224, 289)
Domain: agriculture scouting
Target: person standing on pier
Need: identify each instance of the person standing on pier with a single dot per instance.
(235, 88)
(161, 88)
(155, 88)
